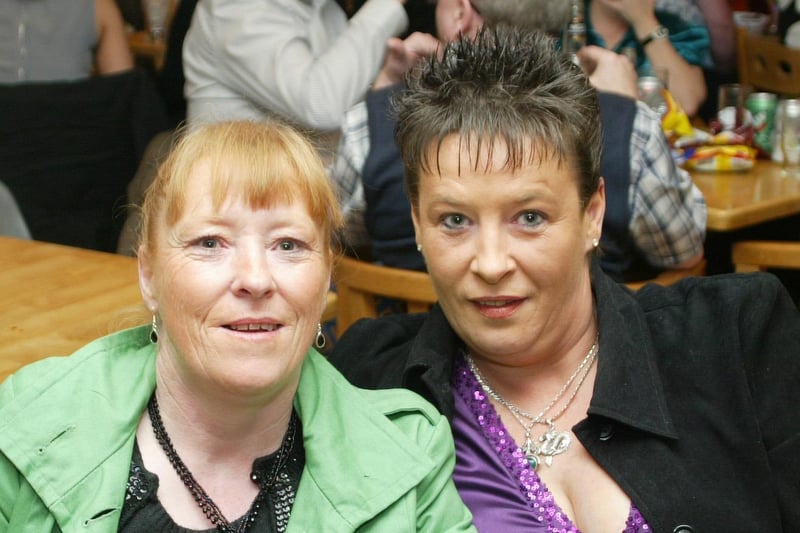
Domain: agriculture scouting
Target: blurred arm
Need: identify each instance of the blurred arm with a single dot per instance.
(686, 81)
(609, 71)
(113, 53)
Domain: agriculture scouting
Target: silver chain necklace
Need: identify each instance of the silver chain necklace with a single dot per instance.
(551, 442)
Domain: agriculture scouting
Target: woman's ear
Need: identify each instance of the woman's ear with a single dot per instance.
(415, 221)
(471, 20)
(146, 279)
(594, 212)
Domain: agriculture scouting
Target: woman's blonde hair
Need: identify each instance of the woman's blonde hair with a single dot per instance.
(264, 163)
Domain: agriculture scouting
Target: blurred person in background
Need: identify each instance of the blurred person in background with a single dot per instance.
(653, 40)
(302, 61)
(717, 17)
(720, 66)
(53, 40)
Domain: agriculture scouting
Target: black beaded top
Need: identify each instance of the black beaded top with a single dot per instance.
(143, 513)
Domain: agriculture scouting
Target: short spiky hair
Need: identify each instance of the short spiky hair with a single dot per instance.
(502, 85)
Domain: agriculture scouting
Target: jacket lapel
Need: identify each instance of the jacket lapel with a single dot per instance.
(358, 462)
(628, 387)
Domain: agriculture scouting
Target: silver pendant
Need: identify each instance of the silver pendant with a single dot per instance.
(531, 452)
(553, 443)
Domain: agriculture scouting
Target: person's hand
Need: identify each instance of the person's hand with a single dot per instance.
(609, 71)
(402, 55)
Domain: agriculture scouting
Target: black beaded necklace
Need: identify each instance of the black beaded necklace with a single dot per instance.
(205, 502)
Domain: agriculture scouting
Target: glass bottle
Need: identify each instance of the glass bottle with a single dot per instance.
(575, 34)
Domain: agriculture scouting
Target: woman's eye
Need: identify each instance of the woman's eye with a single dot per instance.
(531, 218)
(454, 221)
(209, 243)
(287, 246)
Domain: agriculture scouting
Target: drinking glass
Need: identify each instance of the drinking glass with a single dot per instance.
(730, 105)
(651, 92)
(156, 12)
(790, 137)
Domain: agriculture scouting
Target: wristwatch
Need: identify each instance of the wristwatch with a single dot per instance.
(659, 33)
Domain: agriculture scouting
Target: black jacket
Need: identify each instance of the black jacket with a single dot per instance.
(696, 405)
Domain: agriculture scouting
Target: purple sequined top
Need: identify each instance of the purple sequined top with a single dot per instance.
(493, 475)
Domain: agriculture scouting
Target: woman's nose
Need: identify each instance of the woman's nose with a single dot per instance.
(253, 274)
(492, 261)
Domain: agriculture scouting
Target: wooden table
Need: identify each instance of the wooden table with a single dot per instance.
(54, 299)
(737, 200)
(144, 47)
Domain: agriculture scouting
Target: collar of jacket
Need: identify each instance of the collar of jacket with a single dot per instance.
(628, 388)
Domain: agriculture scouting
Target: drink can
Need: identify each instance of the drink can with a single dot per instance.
(762, 108)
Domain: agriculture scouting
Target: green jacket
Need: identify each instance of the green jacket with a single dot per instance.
(375, 460)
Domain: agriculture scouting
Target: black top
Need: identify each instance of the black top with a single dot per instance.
(143, 512)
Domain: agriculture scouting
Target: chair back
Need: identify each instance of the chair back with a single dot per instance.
(766, 64)
(668, 277)
(12, 223)
(360, 283)
(755, 256)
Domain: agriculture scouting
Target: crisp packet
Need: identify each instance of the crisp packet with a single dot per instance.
(719, 157)
(675, 121)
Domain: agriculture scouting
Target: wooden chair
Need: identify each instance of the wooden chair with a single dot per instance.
(358, 283)
(668, 277)
(754, 256)
(765, 64)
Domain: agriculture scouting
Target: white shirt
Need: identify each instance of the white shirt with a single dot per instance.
(302, 60)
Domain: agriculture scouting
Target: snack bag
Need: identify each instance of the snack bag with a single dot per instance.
(712, 158)
(675, 121)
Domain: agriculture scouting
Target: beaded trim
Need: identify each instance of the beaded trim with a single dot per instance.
(137, 487)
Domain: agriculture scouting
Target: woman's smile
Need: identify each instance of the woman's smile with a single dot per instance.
(498, 307)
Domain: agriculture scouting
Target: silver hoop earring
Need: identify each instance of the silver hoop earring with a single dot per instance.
(154, 330)
(319, 342)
